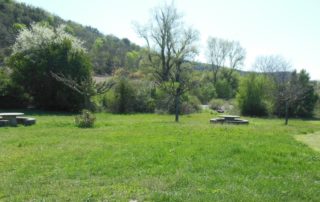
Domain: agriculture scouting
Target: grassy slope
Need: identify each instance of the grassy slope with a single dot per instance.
(151, 158)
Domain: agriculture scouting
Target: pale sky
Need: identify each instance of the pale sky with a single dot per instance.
(290, 28)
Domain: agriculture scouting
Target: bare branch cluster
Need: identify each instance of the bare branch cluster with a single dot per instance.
(87, 87)
(224, 53)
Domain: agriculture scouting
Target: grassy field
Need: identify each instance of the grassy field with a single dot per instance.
(151, 158)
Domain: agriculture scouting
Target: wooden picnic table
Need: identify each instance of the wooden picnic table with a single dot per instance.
(11, 117)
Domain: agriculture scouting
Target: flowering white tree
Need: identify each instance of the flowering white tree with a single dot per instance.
(38, 36)
(40, 50)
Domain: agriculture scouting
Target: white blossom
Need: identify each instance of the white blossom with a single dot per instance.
(38, 37)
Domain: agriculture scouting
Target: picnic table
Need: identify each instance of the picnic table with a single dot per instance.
(229, 119)
(11, 117)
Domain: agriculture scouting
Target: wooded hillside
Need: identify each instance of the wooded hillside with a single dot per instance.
(107, 52)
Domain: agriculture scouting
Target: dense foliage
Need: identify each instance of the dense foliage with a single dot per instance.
(253, 98)
(304, 104)
(261, 95)
(125, 98)
(39, 51)
(11, 95)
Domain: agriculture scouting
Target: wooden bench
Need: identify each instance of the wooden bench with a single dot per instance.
(27, 121)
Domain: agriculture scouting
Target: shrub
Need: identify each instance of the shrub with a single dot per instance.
(224, 89)
(85, 120)
(216, 104)
(191, 105)
(205, 92)
(11, 95)
(254, 98)
(129, 97)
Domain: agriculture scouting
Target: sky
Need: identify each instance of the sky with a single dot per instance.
(290, 28)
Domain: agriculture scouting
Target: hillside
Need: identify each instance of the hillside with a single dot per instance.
(107, 52)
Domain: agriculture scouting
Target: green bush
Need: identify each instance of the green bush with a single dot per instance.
(216, 104)
(11, 95)
(227, 84)
(130, 97)
(205, 92)
(190, 105)
(254, 97)
(85, 120)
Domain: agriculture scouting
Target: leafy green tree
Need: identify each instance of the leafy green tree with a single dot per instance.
(40, 50)
(253, 96)
(298, 96)
(306, 106)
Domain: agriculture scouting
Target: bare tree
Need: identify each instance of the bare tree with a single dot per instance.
(274, 66)
(217, 52)
(222, 53)
(165, 24)
(184, 50)
(86, 87)
(170, 47)
(236, 57)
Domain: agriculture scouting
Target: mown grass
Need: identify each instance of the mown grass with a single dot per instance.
(151, 158)
(312, 140)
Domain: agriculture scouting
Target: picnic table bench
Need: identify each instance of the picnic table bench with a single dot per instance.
(11, 117)
(15, 118)
(229, 119)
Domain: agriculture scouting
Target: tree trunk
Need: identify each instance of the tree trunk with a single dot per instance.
(215, 72)
(87, 104)
(286, 112)
(215, 69)
(177, 106)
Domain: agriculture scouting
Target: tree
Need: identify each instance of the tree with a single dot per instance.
(159, 35)
(40, 50)
(217, 51)
(278, 69)
(221, 53)
(253, 96)
(293, 92)
(297, 93)
(170, 47)
(306, 106)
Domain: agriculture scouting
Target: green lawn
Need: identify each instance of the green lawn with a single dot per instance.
(313, 140)
(151, 158)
